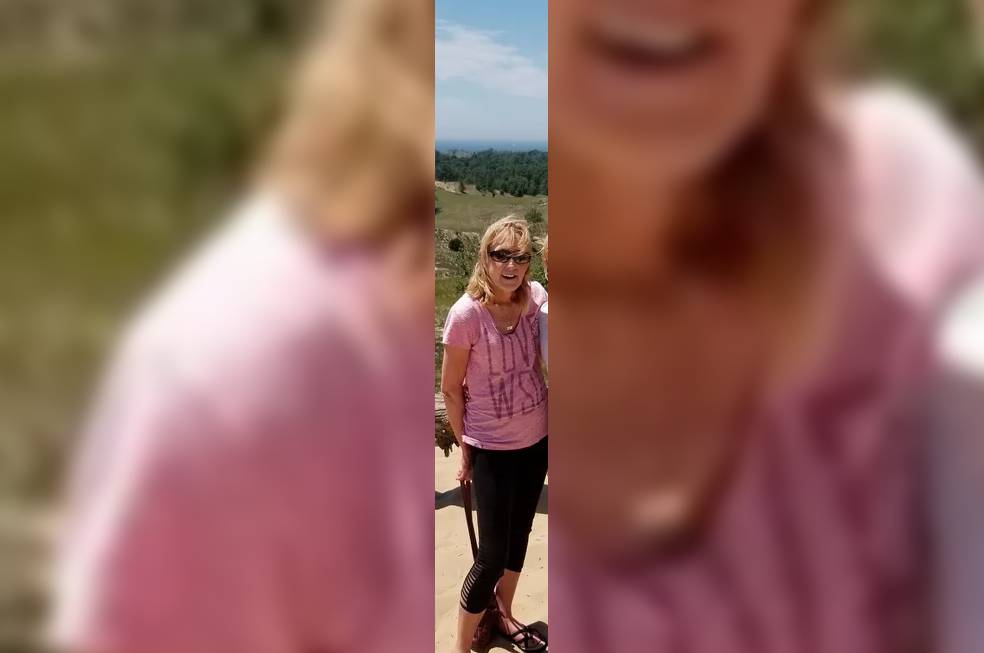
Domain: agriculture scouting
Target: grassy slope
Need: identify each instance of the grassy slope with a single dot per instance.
(473, 211)
(109, 170)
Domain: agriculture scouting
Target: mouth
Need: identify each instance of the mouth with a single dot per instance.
(510, 277)
(665, 47)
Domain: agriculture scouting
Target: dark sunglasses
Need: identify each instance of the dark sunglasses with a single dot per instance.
(503, 256)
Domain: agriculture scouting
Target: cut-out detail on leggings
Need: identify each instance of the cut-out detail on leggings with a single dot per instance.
(507, 488)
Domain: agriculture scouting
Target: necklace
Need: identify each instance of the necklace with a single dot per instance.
(507, 325)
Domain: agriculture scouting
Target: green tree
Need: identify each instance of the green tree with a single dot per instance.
(514, 173)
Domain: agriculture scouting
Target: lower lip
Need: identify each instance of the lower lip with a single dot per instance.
(633, 80)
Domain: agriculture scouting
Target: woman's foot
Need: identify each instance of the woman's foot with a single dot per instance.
(522, 637)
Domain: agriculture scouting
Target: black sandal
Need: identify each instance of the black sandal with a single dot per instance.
(525, 638)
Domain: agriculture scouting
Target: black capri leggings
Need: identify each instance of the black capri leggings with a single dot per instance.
(507, 489)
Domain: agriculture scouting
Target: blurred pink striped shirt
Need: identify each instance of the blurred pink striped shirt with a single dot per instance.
(253, 478)
(820, 545)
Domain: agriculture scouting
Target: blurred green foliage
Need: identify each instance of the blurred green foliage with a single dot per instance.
(933, 45)
(109, 170)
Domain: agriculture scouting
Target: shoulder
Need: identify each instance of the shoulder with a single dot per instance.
(906, 143)
(217, 368)
(903, 130)
(538, 294)
(223, 315)
(462, 324)
(919, 190)
(465, 308)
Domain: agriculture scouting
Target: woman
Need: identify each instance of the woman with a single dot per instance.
(212, 506)
(749, 331)
(490, 348)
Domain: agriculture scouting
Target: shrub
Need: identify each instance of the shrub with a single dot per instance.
(534, 215)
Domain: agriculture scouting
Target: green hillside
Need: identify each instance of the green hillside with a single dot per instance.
(473, 211)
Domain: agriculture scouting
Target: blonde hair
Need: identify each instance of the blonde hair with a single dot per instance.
(543, 250)
(355, 146)
(514, 232)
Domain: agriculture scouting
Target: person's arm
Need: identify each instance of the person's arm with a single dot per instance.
(453, 389)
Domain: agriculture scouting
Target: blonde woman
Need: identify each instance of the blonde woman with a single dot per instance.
(755, 253)
(246, 480)
(490, 348)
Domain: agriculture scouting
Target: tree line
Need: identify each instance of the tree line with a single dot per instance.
(515, 173)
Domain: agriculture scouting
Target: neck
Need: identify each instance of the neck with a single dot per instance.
(501, 296)
(616, 224)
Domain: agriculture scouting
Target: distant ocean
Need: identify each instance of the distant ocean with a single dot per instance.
(479, 145)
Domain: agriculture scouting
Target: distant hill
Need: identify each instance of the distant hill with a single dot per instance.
(465, 146)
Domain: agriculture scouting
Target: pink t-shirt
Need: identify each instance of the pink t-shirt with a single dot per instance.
(252, 478)
(820, 544)
(506, 405)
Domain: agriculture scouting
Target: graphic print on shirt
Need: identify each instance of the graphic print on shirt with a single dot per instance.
(513, 378)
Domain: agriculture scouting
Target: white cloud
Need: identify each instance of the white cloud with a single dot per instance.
(463, 53)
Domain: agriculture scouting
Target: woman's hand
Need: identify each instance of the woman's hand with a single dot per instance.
(465, 471)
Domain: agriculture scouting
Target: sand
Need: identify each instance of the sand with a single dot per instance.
(453, 559)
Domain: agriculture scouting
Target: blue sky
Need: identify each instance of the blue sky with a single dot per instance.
(491, 65)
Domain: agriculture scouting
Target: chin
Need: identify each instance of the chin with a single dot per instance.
(661, 151)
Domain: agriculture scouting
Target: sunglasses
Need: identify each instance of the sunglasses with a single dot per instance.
(503, 256)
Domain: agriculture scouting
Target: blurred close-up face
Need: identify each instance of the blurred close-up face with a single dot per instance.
(664, 86)
(507, 263)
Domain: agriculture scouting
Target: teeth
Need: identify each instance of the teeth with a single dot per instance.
(667, 39)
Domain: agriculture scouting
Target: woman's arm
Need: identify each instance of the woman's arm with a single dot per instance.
(453, 389)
